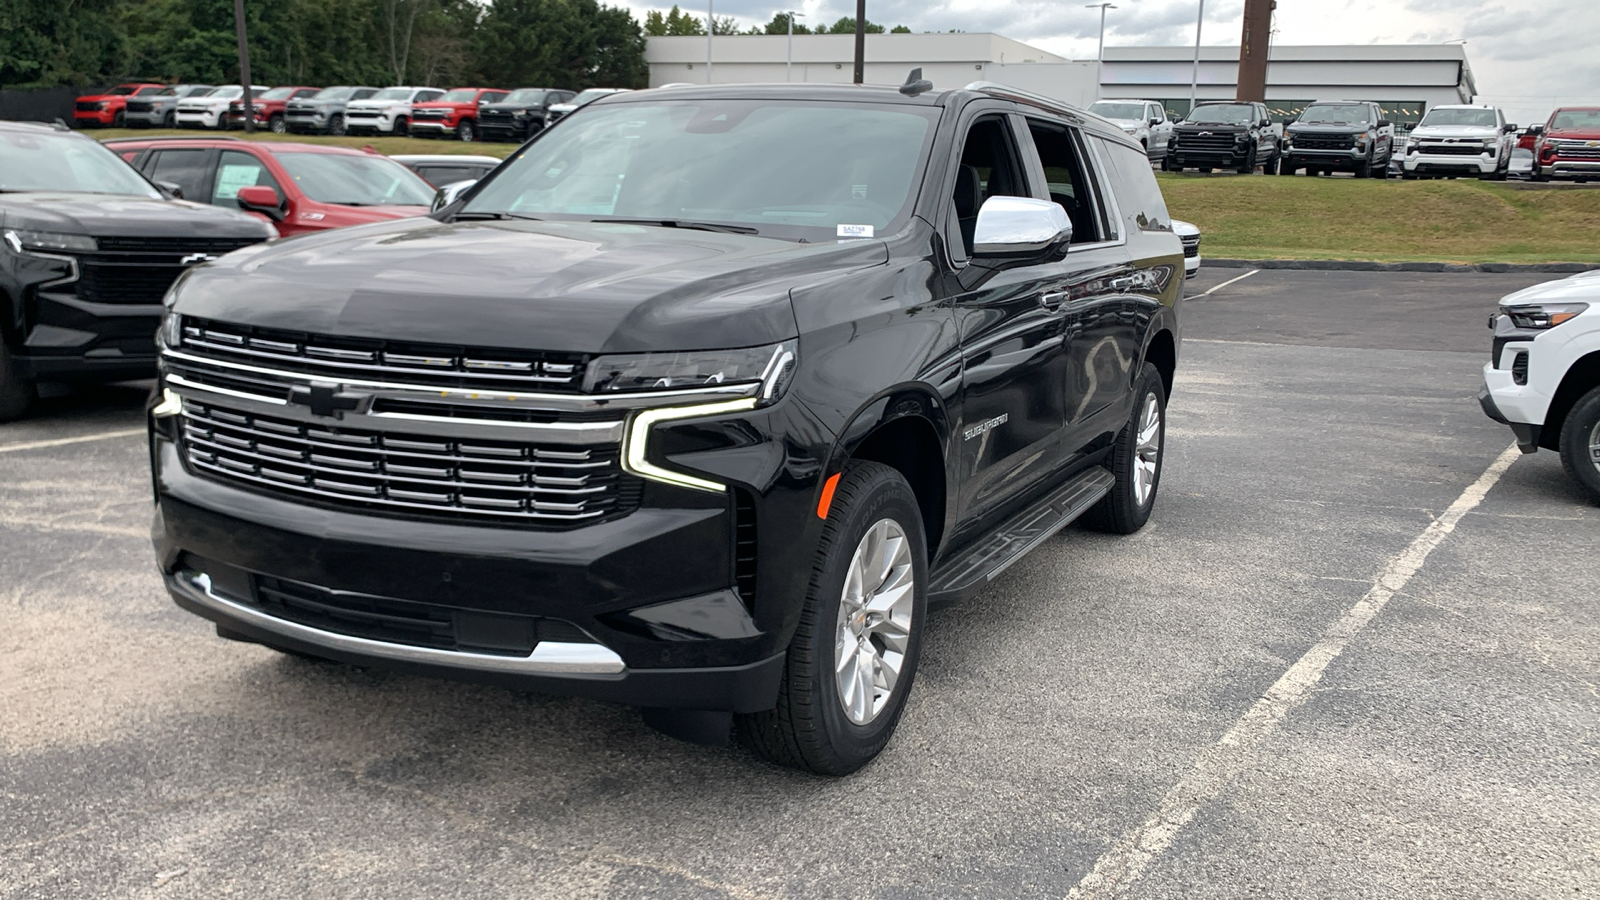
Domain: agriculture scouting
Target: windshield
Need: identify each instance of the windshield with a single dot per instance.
(793, 170)
(1222, 114)
(1576, 118)
(1118, 110)
(151, 91)
(203, 92)
(334, 93)
(392, 94)
(529, 97)
(462, 96)
(51, 162)
(121, 90)
(1481, 118)
(356, 180)
(277, 94)
(1342, 114)
(232, 90)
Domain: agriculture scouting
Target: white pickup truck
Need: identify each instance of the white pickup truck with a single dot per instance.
(1543, 379)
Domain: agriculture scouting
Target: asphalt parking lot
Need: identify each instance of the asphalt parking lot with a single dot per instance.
(1355, 654)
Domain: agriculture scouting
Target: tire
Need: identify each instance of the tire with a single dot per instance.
(1248, 167)
(118, 120)
(170, 120)
(467, 131)
(336, 125)
(16, 393)
(1135, 461)
(1364, 169)
(277, 124)
(1580, 443)
(402, 127)
(1168, 166)
(1273, 165)
(810, 727)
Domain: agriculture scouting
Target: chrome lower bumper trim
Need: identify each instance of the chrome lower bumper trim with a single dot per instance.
(555, 658)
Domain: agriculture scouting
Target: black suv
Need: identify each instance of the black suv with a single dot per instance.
(1339, 136)
(696, 404)
(1225, 135)
(520, 115)
(87, 249)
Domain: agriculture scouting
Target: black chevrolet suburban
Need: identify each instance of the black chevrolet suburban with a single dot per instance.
(87, 249)
(695, 404)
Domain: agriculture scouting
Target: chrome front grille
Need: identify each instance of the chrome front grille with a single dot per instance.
(408, 473)
(1576, 151)
(426, 365)
(1191, 246)
(428, 114)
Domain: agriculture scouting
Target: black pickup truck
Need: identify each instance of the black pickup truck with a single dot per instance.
(1225, 135)
(695, 404)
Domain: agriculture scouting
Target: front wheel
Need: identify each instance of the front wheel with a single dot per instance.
(467, 131)
(401, 126)
(854, 655)
(1580, 443)
(336, 125)
(278, 124)
(1135, 461)
(170, 120)
(1249, 165)
(16, 392)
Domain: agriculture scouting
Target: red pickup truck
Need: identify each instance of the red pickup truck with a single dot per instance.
(98, 110)
(1569, 145)
(269, 108)
(455, 113)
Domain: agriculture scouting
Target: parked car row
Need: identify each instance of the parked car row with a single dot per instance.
(468, 114)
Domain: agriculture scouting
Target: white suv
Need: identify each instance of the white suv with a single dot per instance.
(1144, 120)
(1460, 140)
(209, 110)
(388, 111)
(1544, 377)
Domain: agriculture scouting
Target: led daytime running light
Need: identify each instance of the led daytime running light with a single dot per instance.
(636, 445)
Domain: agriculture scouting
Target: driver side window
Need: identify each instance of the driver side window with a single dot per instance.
(990, 167)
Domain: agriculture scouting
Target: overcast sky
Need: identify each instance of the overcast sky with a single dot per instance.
(1527, 55)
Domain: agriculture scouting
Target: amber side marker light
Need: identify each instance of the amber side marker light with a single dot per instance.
(827, 495)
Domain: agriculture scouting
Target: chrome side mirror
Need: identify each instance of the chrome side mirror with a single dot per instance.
(1021, 228)
(450, 193)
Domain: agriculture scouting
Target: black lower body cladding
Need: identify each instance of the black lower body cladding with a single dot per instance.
(71, 339)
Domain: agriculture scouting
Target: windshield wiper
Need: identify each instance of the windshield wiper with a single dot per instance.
(679, 223)
(497, 216)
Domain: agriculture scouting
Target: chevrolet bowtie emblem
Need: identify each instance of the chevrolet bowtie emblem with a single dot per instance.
(327, 400)
(195, 258)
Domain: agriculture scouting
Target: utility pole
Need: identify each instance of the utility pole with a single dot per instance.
(711, 29)
(1100, 54)
(244, 66)
(788, 63)
(1194, 80)
(1254, 45)
(861, 41)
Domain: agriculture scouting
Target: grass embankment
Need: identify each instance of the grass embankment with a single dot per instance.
(1288, 217)
(388, 146)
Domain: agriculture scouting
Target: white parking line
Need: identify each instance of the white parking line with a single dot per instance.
(62, 442)
(1126, 859)
(1228, 282)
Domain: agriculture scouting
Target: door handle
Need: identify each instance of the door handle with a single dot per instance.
(1052, 300)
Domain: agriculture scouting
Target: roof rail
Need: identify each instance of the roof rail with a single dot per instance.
(1007, 92)
(173, 137)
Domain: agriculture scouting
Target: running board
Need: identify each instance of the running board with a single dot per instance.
(966, 573)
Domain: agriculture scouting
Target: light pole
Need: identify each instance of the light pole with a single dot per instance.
(1100, 54)
(1194, 81)
(711, 28)
(788, 63)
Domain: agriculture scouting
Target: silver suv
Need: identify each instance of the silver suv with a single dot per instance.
(388, 111)
(323, 113)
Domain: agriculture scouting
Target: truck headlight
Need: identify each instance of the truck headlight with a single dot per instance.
(171, 330)
(1540, 316)
(771, 366)
(20, 239)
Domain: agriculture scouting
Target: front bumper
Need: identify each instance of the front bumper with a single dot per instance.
(372, 124)
(1513, 405)
(101, 117)
(1215, 158)
(202, 119)
(72, 339)
(433, 127)
(1339, 160)
(152, 119)
(306, 124)
(1570, 168)
(1440, 164)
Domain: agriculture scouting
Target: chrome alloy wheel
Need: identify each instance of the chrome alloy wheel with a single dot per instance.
(1594, 445)
(874, 621)
(1147, 453)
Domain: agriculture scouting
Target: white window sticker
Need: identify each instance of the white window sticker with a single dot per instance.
(855, 231)
(232, 178)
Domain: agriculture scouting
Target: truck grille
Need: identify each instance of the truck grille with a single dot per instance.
(428, 114)
(86, 107)
(454, 477)
(360, 114)
(431, 365)
(1451, 149)
(1324, 142)
(1572, 152)
(1191, 246)
(1209, 143)
(140, 106)
(132, 270)
(494, 116)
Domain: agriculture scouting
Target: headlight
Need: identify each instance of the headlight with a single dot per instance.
(171, 330)
(1540, 316)
(103, 104)
(49, 241)
(771, 366)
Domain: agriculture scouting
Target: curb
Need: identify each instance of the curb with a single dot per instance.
(1361, 265)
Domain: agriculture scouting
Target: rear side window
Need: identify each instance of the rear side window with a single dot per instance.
(1067, 178)
(1140, 199)
(185, 168)
(239, 170)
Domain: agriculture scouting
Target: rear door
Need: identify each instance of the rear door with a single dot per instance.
(191, 168)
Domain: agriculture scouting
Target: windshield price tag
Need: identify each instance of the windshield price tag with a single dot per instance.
(855, 231)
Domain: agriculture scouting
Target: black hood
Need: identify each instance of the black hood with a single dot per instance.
(511, 107)
(117, 215)
(566, 286)
(1341, 128)
(1190, 128)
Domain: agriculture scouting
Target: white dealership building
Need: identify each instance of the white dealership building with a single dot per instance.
(1407, 79)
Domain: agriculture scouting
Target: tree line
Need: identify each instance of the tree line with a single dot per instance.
(674, 22)
(508, 43)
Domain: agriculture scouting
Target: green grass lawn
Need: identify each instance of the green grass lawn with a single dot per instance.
(388, 146)
(1287, 217)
